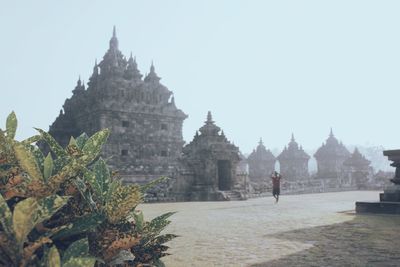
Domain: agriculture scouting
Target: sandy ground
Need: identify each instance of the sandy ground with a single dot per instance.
(300, 230)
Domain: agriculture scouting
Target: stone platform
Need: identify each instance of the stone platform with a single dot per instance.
(383, 207)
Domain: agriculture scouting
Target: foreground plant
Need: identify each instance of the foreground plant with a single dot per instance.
(67, 209)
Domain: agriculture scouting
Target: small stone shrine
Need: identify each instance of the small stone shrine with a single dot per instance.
(261, 164)
(293, 162)
(357, 170)
(209, 167)
(330, 158)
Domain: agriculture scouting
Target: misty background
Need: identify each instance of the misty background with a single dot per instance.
(264, 68)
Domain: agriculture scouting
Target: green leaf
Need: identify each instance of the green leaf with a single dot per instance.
(31, 140)
(6, 217)
(80, 262)
(11, 125)
(38, 155)
(164, 238)
(139, 220)
(153, 183)
(48, 167)
(29, 212)
(159, 223)
(102, 179)
(81, 140)
(122, 201)
(53, 258)
(92, 147)
(54, 146)
(86, 194)
(69, 170)
(77, 249)
(27, 161)
(82, 224)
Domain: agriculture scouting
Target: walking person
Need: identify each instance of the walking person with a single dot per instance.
(276, 185)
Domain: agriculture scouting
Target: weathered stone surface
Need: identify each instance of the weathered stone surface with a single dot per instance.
(146, 126)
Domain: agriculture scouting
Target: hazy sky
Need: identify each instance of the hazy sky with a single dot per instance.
(264, 68)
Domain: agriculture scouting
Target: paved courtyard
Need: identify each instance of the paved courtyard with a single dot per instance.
(301, 230)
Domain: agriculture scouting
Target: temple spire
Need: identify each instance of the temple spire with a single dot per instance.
(114, 40)
(331, 133)
(261, 141)
(292, 139)
(209, 117)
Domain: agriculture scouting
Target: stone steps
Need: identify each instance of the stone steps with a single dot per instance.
(233, 195)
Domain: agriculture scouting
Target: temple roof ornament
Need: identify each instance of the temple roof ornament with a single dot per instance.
(209, 127)
(152, 76)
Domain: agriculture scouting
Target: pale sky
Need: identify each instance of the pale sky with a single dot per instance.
(264, 68)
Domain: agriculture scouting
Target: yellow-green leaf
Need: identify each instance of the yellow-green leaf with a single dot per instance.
(72, 141)
(29, 212)
(122, 201)
(48, 167)
(31, 140)
(54, 146)
(80, 262)
(53, 258)
(6, 217)
(27, 161)
(92, 147)
(11, 125)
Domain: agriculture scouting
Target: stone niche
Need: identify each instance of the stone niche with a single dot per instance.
(209, 167)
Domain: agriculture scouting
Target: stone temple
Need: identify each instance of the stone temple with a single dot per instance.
(293, 162)
(330, 158)
(146, 126)
(146, 133)
(261, 163)
(209, 167)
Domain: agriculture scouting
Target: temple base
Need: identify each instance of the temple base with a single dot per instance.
(389, 202)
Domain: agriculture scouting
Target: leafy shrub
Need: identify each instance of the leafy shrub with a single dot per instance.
(68, 209)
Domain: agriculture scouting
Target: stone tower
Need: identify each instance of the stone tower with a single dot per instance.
(212, 161)
(330, 157)
(261, 163)
(293, 162)
(146, 126)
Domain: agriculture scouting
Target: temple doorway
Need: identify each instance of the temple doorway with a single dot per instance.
(224, 175)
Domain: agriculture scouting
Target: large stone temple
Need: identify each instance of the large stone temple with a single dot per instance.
(146, 126)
